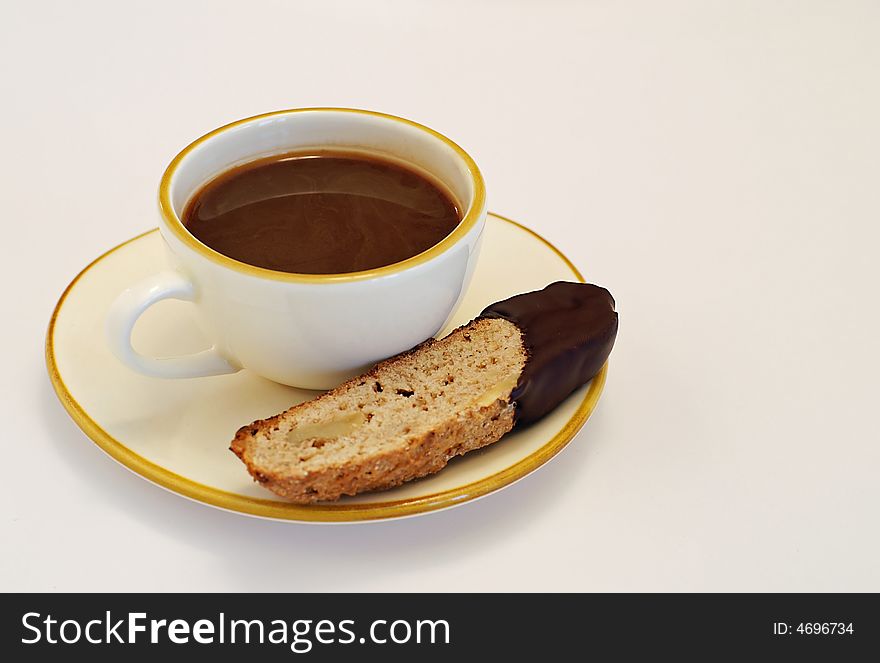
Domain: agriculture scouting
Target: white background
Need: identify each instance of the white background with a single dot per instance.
(715, 164)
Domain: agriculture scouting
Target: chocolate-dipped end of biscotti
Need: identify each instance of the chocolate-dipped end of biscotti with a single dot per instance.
(568, 330)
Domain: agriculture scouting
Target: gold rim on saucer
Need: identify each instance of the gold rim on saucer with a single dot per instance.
(326, 513)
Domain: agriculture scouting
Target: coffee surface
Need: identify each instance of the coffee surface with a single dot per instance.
(320, 213)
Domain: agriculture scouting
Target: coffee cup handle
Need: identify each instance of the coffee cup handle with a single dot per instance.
(130, 305)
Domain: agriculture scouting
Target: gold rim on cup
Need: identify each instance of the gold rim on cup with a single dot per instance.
(469, 219)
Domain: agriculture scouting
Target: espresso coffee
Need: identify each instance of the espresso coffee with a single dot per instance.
(324, 213)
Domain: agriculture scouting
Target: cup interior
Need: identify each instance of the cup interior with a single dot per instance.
(385, 136)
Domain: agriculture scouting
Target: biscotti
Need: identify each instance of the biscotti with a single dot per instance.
(404, 419)
(410, 414)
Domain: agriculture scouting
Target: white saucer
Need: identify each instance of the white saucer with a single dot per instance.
(176, 433)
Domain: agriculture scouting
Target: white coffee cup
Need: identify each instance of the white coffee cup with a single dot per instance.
(305, 330)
